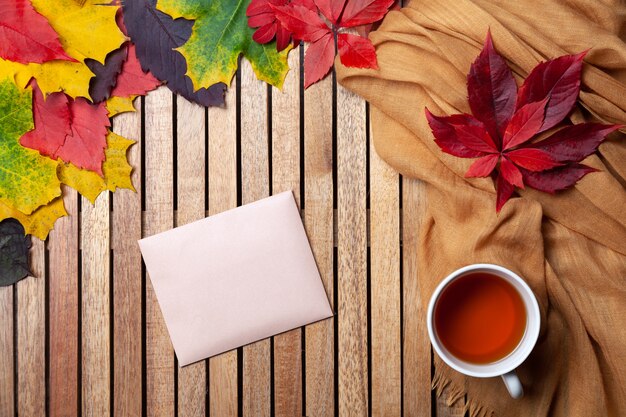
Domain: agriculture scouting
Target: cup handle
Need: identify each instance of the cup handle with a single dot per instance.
(513, 384)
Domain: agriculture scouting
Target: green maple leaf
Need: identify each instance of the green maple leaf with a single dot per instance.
(27, 179)
(14, 246)
(219, 35)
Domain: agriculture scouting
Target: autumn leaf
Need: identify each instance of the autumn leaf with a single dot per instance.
(27, 180)
(155, 35)
(505, 122)
(132, 80)
(26, 36)
(105, 75)
(116, 171)
(71, 130)
(220, 34)
(262, 17)
(116, 105)
(306, 23)
(92, 33)
(41, 221)
(14, 249)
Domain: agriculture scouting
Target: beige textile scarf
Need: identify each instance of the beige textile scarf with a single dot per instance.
(570, 248)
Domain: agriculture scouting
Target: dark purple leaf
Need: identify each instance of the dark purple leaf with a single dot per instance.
(556, 179)
(575, 143)
(491, 90)
(156, 35)
(101, 85)
(558, 80)
(14, 251)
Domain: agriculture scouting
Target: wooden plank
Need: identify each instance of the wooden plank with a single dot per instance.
(416, 349)
(223, 196)
(286, 176)
(385, 293)
(31, 336)
(159, 216)
(63, 311)
(191, 188)
(318, 221)
(352, 254)
(127, 283)
(96, 314)
(255, 185)
(7, 369)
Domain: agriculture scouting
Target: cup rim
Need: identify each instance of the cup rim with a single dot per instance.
(521, 351)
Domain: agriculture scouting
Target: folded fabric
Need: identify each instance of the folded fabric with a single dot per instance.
(570, 247)
(235, 278)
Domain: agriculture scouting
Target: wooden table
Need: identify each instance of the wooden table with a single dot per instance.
(86, 337)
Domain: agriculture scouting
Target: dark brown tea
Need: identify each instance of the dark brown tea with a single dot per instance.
(480, 318)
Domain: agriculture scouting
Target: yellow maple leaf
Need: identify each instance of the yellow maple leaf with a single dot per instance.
(86, 29)
(41, 221)
(116, 171)
(116, 105)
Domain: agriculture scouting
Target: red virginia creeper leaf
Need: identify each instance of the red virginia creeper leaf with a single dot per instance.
(362, 12)
(331, 9)
(26, 36)
(556, 179)
(524, 124)
(558, 80)
(445, 135)
(318, 59)
(575, 143)
(283, 37)
(265, 33)
(532, 159)
(357, 52)
(476, 138)
(504, 191)
(482, 167)
(491, 90)
(510, 172)
(52, 123)
(132, 81)
(304, 23)
(364, 30)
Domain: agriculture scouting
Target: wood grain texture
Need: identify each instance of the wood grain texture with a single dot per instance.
(7, 357)
(223, 196)
(286, 176)
(159, 216)
(63, 311)
(96, 314)
(416, 349)
(127, 283)
(386, 372)
(445, 410)
(254, 186)
(31, 336)
(318, 222)
(352, 254)
(192, 389)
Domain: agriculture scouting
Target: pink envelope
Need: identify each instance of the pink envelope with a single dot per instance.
(235, 278)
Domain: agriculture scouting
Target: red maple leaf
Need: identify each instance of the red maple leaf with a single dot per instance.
(311, 24)
(262, 16)
(71, 130)
(132, 80)
(26, 36)
(506, 121)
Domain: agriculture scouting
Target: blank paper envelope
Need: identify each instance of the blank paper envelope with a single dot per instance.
(235, 278)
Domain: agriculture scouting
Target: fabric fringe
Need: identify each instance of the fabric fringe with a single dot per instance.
(454, 394)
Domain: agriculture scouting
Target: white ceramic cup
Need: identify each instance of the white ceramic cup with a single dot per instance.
(504, 367)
